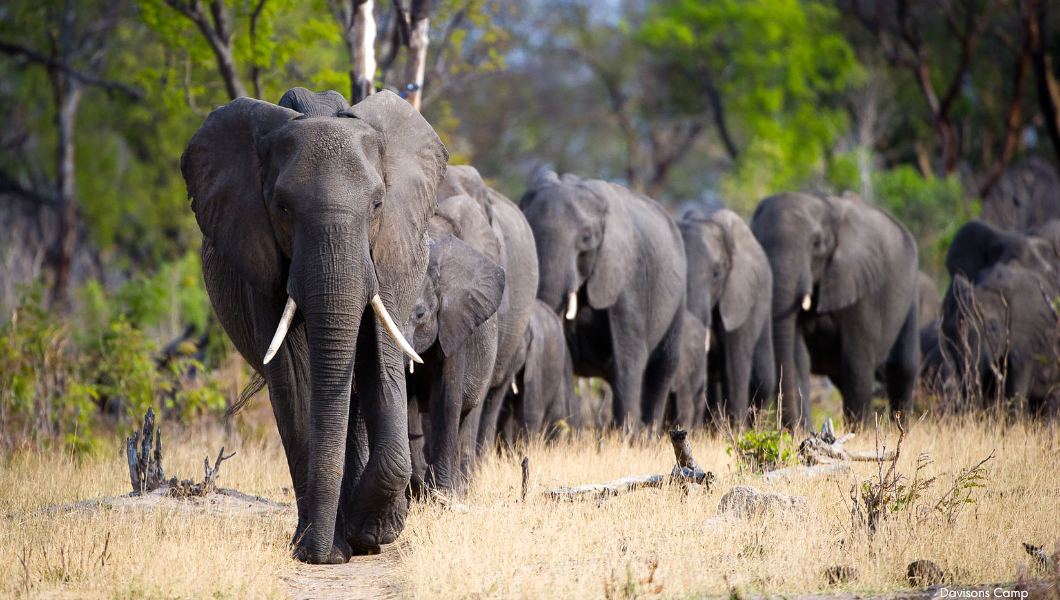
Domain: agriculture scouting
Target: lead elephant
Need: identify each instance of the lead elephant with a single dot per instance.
(730, 289)
(844, 300)
(613, 265)
(307, 221)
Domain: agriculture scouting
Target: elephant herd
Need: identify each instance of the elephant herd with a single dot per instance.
(484, 310)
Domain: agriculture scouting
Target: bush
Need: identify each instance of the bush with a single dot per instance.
(762, 450)
(62, 376)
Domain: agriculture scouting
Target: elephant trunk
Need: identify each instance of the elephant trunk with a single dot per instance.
(333, 297)
(788, 300)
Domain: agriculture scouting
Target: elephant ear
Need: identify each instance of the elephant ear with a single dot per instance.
(470, 287)
(222, 168)
(413, 162)
(615, 255)
(855, 268)
(749, 275)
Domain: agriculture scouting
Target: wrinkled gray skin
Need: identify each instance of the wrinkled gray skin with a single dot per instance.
(296, 206)
(730, 287)
(996, 316)
(688, 394)
(623, 257)
(858, 264)
(465, 396)
(544, 386)
(454, 329)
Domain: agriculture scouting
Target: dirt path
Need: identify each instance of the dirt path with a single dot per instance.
(363, 578)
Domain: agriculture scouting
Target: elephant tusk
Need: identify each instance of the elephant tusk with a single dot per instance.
(412, 367)
(392, 329)
(807, 302)
(515, 388)
(572, 306)
(281, 330)
(706, 342)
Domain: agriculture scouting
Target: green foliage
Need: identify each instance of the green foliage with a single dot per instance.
(777, 65)
(762, 450)
(62, 377)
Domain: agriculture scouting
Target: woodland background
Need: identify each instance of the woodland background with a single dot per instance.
(919, 106)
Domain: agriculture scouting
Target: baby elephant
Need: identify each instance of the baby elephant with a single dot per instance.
(542, 396)
(455, 331)
(687, 405)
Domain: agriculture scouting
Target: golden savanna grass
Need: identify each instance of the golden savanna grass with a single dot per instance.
(646, 542)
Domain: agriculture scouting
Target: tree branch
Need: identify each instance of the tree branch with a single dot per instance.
(50, 63)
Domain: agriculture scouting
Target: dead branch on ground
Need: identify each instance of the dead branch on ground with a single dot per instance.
(686, 471)
(145, 465)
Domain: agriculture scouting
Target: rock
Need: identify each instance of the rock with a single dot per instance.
(746, 501)
(840, 574)
(924, 573)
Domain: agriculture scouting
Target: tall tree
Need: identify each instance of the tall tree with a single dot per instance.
(356, 20)
(76, 38)
(214, 22)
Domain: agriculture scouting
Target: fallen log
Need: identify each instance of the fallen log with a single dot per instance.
(686, 471)
(812, 472)
(824, 448)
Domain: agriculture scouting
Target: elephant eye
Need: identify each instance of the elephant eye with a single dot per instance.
(420, 313)
(281, 204)
(378, 202)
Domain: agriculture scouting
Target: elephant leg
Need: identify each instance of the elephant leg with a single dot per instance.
(902, 364)
(739, 352)
(418, 449)
(486, 426)
(802, 385)
(532, 407)
(763, 385)
(713, 409)
(445, 408)
(856, 380)
(469, 426)
(630, 358)
(660, 373)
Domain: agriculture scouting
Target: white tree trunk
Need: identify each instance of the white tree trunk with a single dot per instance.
(417, 60)
(362, 52)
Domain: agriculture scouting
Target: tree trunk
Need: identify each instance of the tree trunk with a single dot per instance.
(362, 52)
(417, 60)
(67, 99)
(1044, 76)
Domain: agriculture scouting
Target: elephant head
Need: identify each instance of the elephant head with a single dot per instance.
(825, 256)
(584, 238)
(461, 290)
(329, 213)
(726, 267)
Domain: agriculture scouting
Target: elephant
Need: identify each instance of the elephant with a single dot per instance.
(688, 394)
(542, 398)
(310, 213)
(844, 300)
(730, 290)
(493, 225)
(1006, 331)
(1028, 193)
(992, 271)
(613, 264)
(453, 327)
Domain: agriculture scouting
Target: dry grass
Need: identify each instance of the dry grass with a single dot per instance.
(643, 543)
(660, 541)
(129, 553)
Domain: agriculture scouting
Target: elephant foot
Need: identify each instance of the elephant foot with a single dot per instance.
(340, 553)
(366, 534)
